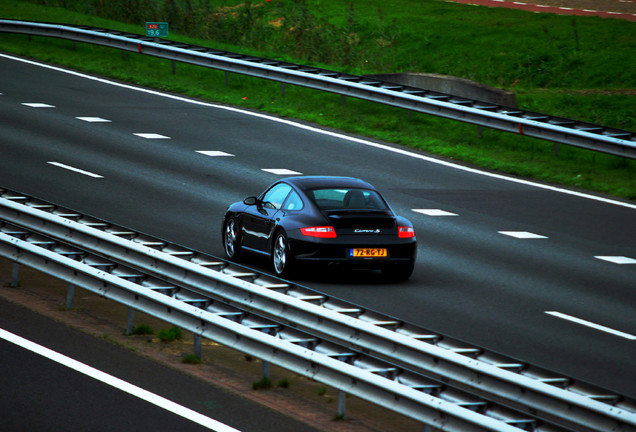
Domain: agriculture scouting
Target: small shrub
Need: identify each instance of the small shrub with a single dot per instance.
(263, 384)
(191, 359)
(143, 329)
(284, 383)
(173, 333)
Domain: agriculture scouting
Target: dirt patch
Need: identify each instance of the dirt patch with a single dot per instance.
(621, 6)
(619, 9)
(303, 399)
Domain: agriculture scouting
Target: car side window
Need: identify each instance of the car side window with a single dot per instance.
(293, 201)
(275, 197)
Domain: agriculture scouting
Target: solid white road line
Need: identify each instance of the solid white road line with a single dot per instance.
(591, 325)
(122, 385)
(77, 170)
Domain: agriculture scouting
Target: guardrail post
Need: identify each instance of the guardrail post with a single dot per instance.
(227, 78)
(130, 325)
(174, 67)
(15, 275)
(70, 296)
(197, 346)
(282, 89)
(426, 428)
(342, 404)
(265, 372)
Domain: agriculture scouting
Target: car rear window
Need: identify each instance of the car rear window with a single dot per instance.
(348, 199)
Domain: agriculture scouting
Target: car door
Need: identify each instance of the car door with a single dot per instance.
(259, 220)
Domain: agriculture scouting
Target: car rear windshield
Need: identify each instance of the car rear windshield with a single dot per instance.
(348, 199)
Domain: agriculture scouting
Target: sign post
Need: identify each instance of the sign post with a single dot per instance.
(157, 29)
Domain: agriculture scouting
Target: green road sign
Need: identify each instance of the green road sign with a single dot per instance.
(156, 29)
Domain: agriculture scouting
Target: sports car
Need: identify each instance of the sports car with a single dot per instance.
(320, 219)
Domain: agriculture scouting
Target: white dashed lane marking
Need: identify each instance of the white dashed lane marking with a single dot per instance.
(37, 105)
(151, 136)
(591, 325)
(522, 235)
(434, 212)
(617, 259)
(77, 170)
(281, 171)
(93, 119)
(214, 153)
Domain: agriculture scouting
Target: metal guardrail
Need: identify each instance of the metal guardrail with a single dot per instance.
(533, 124)
(291, 349)
(492, 386)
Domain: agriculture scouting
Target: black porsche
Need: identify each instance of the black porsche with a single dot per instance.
(320, 219)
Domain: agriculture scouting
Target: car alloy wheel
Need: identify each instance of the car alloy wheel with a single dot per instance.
(280, 254)
(231, 242)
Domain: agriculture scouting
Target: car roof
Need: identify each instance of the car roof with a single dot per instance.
(319, 182)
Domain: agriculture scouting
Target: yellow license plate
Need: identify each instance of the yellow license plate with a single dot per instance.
(368, 252)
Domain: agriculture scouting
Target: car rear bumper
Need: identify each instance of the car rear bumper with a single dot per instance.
(340, 253)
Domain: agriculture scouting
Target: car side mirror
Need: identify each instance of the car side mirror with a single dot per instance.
(250, 201)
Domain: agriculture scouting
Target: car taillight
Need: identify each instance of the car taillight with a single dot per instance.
(406, 232)
(321, 232)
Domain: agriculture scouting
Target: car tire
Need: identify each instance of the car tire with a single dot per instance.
(281, 256)
(231, 239)
(399, 272)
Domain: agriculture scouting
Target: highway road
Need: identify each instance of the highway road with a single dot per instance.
(539, 273)
(56, 378)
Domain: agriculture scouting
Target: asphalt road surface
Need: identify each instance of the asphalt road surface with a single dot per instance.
(534, 272)
(41, 392)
